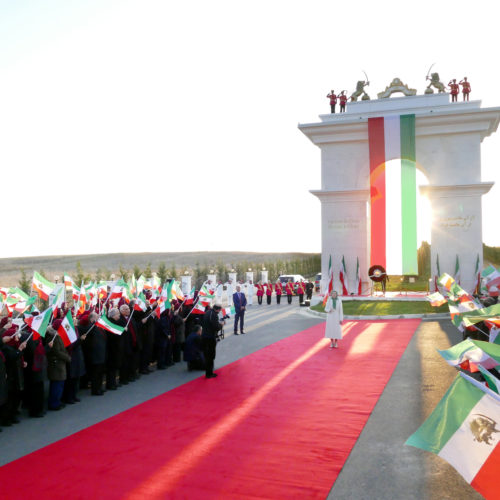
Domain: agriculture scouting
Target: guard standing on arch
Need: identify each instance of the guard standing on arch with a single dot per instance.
(465, 88)
(333, 100)
(343, 100)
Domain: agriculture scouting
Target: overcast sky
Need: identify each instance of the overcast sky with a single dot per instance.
(131, 126)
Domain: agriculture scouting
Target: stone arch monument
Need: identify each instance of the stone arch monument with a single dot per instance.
(446, 148)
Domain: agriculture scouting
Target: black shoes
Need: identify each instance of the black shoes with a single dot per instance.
(236, 333)
(211, 376)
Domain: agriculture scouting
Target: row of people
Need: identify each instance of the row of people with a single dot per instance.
(300, 289)
(98, 360)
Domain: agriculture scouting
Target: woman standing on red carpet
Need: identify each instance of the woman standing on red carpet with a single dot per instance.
(334, 318)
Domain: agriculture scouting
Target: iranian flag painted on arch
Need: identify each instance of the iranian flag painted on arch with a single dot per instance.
(393, 193)
(463, 430)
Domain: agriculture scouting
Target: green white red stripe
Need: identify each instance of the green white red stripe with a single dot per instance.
(358, 277)
(67, 330)
(472, 351)
(393, 193)
(228, 311)
(463, 430)
(39, 324)
(436, 299)
(491, 380)
(42, 286)
(106, 324)
(343, 277)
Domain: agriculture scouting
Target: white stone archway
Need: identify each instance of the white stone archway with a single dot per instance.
(448, 140)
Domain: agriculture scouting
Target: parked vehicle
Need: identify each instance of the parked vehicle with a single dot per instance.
(285, 278)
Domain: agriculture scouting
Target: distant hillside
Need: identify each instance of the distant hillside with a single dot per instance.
(10, 268)
(491, 255)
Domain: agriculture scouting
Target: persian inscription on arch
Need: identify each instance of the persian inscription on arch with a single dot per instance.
(461, 222)
(344, 224)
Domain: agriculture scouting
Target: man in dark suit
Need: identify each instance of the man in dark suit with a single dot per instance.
(240, 302)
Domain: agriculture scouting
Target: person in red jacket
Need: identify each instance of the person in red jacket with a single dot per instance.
(333, 100)
(453, 90)
(343, 100)
(260, 292)
(301, 289)
(465, 88)
(269, 292)
(278, 288)
(289, 291)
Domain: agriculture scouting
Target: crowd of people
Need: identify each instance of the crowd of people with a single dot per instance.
(98, 360)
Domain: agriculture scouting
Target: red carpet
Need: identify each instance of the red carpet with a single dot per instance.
(279, 423)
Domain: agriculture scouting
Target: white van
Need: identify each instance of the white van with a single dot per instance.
(285, 278)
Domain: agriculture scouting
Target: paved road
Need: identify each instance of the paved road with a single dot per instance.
(380, 466)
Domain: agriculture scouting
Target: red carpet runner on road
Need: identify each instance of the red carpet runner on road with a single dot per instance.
(279, 423)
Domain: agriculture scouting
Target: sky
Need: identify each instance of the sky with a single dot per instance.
(155, 126)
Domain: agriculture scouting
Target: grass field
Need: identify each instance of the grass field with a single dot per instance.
(385, 307)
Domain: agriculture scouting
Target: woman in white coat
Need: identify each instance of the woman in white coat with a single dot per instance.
(334, 318)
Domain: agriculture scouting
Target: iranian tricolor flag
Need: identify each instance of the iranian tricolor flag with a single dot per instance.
(472, 351)
(457, 270)
(116, 292)
(162, 306)
(167, 293)
(393, 193)
(438, 273)
(492, 276)
(68, 282)
(228, 311)
(106, 324)
(463, 430)
(330, 282)
(140, 303)
(491, 380)
(205, 292)
(82, 300)
(343, 277)
(436, 299)
(42, 286)
(57, 300)
(102, 290)
(358, 277)
(199, 308)
(190, 297)
(490, 314)
(477, 288)
(39, 323)
(67, 331)
(177, 291)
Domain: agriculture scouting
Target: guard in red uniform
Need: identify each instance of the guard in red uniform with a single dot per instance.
(465, 88)
(289, 291)
(343, 100)
(301, 290)
(260, 292)
(454, 88)
(333, 100)
(278, 288)
(269, 292)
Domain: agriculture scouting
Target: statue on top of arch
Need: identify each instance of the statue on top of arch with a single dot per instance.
(436, 83)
